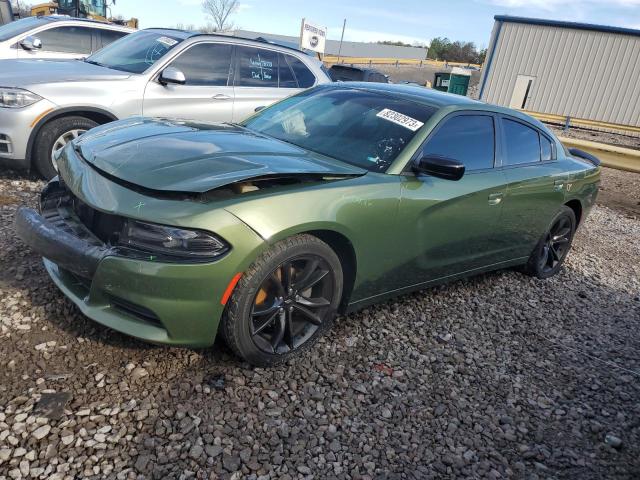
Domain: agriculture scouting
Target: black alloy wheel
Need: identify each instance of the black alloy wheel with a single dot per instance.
(556, 245)
(549, 255)
(291, 304)
(284, 302)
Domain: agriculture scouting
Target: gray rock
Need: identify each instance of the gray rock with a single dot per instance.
(612, 440)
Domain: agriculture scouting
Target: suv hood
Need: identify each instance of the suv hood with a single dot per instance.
(177, 156)
(23, 73)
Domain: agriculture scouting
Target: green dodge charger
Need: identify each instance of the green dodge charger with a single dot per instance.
(337, 198)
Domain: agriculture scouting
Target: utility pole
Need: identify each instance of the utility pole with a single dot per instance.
(344, 25)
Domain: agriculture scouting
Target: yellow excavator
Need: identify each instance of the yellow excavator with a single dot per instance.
(93, 9)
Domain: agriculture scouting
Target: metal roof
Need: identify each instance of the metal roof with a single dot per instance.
(563, 24)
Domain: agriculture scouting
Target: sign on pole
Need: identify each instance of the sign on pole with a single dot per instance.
(313, 37)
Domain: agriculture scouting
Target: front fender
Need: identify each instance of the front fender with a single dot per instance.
(363, 210)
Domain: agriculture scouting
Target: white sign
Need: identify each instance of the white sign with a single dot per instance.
(401, 119)
(313, 37)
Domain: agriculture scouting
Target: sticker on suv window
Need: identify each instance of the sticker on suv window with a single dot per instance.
(169, 42)
(400, 119)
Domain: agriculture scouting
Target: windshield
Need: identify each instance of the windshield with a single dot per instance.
(135, 53)
(359, 127)
(19, 27)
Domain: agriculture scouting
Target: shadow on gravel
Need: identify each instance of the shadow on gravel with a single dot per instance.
(387, 394)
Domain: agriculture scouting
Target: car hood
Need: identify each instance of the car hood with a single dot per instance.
(179, 156)
(24, 73)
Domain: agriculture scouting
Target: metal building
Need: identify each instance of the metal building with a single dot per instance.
(571, 69)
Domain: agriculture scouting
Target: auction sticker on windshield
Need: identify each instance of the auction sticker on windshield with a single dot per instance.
(400, 119)
(169, 42)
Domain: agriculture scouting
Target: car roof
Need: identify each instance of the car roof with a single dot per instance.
(425, 96)
(434, 98)
(185, 34)
(67, 18)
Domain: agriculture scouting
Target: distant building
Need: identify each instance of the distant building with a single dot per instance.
(580, 70)
(349, 49)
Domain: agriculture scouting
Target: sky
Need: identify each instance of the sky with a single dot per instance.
(377, 20)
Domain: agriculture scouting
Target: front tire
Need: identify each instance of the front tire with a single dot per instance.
(54, 136)
(549, 255)
(284, 302)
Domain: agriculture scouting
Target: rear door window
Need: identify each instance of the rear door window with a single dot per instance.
(257, 67)
(522, 143)
(205, 64)
(469, 139)
(287, 80)
(303, 75)
(109, 36)
(67, 40)
(546, 149)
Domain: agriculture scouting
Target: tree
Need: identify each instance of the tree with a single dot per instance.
(463, 52)
(394, 43)
(220, 12)
(439, 48)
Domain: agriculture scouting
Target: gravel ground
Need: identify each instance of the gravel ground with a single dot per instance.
(499, 376)
(627, 141)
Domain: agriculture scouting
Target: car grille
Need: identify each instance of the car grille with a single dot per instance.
(60, 206)
(5, 144)
(57, 209)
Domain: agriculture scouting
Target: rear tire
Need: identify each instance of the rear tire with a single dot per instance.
(549, 255)
(53, 134)
(274, 315)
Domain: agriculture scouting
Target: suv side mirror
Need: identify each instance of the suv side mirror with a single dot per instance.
(172, 75)
(440, 167)
(31, 43)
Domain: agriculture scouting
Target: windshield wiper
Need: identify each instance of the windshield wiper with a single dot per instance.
(92, 62)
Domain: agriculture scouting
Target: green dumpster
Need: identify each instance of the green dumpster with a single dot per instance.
(456, 81)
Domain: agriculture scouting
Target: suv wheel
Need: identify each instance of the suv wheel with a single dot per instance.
(52, 137)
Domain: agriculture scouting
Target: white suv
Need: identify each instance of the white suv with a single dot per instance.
(56, 36)
(156, 73)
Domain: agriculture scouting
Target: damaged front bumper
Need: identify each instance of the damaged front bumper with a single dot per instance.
(165, 303)
(52, 238)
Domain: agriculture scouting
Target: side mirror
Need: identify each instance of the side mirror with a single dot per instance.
(172, 75)
(440, 167)
(31, 43)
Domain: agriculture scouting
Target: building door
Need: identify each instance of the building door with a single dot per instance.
(521, 92)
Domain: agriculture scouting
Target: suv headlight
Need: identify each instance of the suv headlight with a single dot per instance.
(171, 242)
(17, 98)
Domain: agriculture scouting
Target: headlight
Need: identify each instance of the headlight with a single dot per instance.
(176, 243)
(17, 98)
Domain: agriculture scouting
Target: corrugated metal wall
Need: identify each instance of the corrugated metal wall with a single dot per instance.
(584, 74)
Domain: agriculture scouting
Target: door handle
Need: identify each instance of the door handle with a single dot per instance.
(221, 96)
(558, 185)
(496, 198)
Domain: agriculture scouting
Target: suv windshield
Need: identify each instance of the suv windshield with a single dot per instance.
(19, 27)
(360, 127)
(135, 53)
